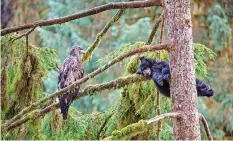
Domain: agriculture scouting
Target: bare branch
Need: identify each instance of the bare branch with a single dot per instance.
(96, 43)
(91, 75)
(88, 90)
(26, 34)
(205, 124)
(161, 117)
(92, 11)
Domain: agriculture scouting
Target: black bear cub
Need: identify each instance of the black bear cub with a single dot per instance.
(159, 71)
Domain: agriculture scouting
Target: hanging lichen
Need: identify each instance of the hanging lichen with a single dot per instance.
(23, 75)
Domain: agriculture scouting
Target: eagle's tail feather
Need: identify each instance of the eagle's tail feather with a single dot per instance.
(66, 100)
(64, 110)
(64, 115)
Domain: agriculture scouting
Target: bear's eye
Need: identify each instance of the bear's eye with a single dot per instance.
(143, 68)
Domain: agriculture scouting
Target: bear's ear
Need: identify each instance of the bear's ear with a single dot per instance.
(142, 58)
(157, 61)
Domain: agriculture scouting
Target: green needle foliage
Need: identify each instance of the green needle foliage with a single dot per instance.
(219, 27)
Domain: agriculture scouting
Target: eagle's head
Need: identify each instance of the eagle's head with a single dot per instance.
(76, 51)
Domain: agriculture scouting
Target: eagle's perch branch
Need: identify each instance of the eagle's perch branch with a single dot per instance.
(139, 127)
(92, 11)
(96, 43)
(88, 90)
(91, 75)
(205, 124)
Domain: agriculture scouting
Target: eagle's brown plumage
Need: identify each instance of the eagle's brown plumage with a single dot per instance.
(70, 71)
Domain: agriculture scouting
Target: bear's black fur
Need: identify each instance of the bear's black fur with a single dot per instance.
(159, 71)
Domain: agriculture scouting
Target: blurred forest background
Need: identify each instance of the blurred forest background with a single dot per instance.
(212, 26)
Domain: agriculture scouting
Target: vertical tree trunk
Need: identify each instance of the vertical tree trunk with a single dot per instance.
(183, 90)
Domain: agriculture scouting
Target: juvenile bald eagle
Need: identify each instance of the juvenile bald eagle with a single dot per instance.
(70, 71)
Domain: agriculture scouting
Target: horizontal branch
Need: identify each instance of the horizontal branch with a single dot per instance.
(161, 117)
(91, 75)
(205, 124)
(92, 11)
(88, 90)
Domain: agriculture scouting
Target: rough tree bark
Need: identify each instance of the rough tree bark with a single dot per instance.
(183, 92)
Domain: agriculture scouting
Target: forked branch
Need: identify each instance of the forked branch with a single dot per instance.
(26, 34)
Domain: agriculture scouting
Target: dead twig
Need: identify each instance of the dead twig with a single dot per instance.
(26, 34)
(205, 124)
(161, 117)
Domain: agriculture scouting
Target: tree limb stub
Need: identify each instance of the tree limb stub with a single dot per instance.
(88, 90)
(161, 117)
(92, 11)
(91, 75)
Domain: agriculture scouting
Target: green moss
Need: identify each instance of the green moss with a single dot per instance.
(130, 130)
(24, 75)
(82, 127)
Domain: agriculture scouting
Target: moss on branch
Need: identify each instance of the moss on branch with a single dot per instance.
(154, 30)
(99, 36)
(88, 90)
(129, 131)
(139, 127)
(91, 75)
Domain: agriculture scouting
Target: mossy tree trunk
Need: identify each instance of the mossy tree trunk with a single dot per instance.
(184, 95)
